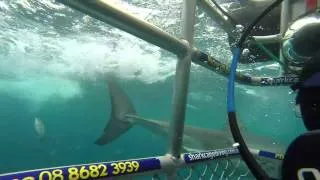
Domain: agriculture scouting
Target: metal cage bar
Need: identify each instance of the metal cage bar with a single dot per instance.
(215, 14)
(285, 16)
(182, 79)
(141, 166)
(106, 12)
(110, 14)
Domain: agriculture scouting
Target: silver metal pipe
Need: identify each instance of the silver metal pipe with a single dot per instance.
(217, 16)
(268, 39)
(285, 16)
(181, 82)
(284, 23)
(188, 20)
(113, 15)
(157, 164)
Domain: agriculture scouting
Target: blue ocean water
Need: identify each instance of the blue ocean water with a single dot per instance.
(53, 64)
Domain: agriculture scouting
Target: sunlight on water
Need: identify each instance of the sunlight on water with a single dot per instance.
(35, 47)
(44, 49)
(40, 89)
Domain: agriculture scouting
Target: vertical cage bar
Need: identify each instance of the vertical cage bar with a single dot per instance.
(181, 81)
(284, 21)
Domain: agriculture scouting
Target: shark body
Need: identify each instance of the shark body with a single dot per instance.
(123, 117)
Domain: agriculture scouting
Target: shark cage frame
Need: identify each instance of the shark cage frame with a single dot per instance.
(186, 53)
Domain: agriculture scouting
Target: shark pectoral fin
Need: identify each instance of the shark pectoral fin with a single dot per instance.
(114, 129)
(188, 149)
(184, 149)
(191, 145)
(271, 166)
(121, 106)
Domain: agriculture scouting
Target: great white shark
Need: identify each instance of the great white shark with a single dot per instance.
(124, 116)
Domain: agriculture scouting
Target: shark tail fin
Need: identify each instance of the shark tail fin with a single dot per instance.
(118, 123)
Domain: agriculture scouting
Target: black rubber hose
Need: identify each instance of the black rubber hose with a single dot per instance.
(246, 155)
(251, 162)
(255, 22)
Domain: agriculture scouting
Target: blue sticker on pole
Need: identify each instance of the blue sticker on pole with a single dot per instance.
(87, 171)
(209, 155)
(271, 155)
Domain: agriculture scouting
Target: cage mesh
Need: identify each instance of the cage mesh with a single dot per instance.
(222, 169)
